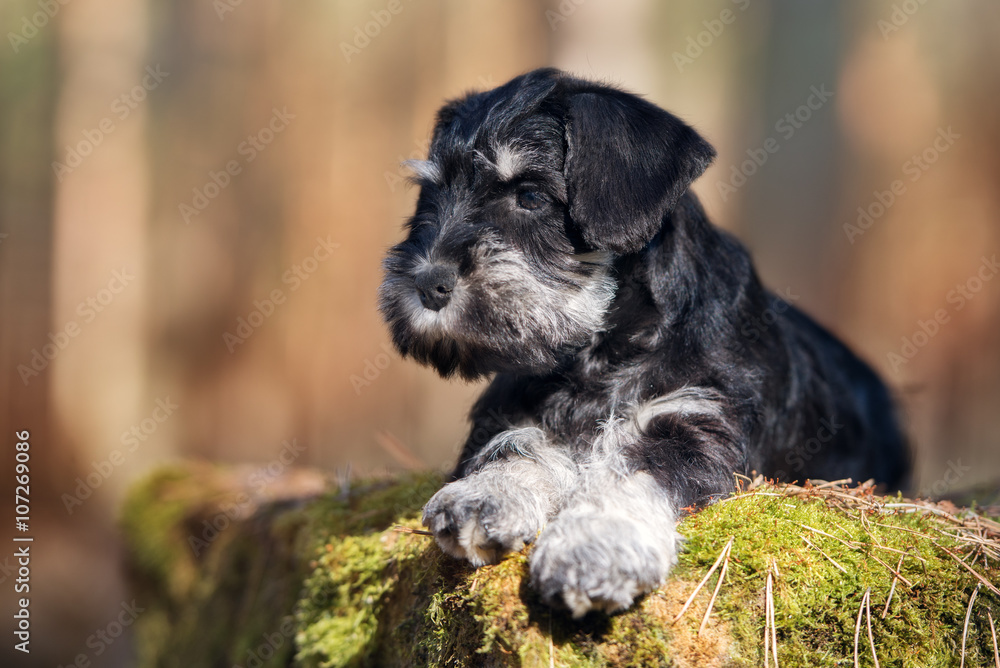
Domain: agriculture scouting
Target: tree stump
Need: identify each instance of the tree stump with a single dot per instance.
(236, 568)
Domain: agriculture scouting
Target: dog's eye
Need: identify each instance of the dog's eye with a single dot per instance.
(530, 199)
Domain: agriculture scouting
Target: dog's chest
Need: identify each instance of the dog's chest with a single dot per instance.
(574, 406)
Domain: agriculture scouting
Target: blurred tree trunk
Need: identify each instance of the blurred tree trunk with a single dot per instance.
(28, 94)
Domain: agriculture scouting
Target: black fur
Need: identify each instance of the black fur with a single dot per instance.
(612, 173)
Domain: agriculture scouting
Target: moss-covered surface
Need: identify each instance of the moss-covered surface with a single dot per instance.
(352, 589)
(216, 559)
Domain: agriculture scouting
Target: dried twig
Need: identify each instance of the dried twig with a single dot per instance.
(750, 493)
(902, 552)
(993, 631)
(718, 585)
(344, 482)
(841, 568)
(895, 573)
(915, 507)
(767, 621)
(770, 627)
(832, 483)
(857, 628)
(774, 625)
(399, 451)
(829, 535)
(420, 532)
(868, 616)
(722, 555)
(907, 530)
(968, 615)
(989, 585)
(985, 545)
(892, 590)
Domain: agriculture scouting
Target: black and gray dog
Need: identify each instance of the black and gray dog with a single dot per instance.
(556, 245)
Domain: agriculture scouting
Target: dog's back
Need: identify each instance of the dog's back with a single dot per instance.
(860, 435)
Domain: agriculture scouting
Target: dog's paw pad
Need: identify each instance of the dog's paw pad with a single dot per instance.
(600, 562)
(472, 522)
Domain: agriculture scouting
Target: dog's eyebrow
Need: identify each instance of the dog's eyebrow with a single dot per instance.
(510, 160)
(424, 171)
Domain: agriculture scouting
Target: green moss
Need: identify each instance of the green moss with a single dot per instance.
(490, 616)
(816, 604)
(365, 594)
(151, 517)
(215, 574)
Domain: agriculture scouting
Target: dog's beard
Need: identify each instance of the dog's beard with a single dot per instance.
(503, 317)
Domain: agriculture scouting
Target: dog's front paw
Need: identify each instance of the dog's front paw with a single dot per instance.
(484, 516)
(601, 561)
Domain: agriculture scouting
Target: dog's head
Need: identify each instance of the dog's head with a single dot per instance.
(528, 194)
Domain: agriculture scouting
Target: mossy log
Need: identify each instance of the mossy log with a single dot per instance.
(238, 570)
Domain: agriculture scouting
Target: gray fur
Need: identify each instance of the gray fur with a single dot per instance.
(424, 170)
(616, 537)
(685, 401)
(554, 312)
(518, 483)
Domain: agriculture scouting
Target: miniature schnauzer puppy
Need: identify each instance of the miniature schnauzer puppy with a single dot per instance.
(556, 248)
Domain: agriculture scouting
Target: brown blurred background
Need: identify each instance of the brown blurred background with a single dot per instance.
(170, 168)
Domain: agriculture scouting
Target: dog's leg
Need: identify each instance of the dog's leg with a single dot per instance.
(616, 536)
(511, 488)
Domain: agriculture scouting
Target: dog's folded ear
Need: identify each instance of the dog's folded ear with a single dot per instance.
(627, 164)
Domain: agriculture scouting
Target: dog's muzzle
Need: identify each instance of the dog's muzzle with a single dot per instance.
(434, 285)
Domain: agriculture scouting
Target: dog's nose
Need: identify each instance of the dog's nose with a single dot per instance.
(434, 285)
